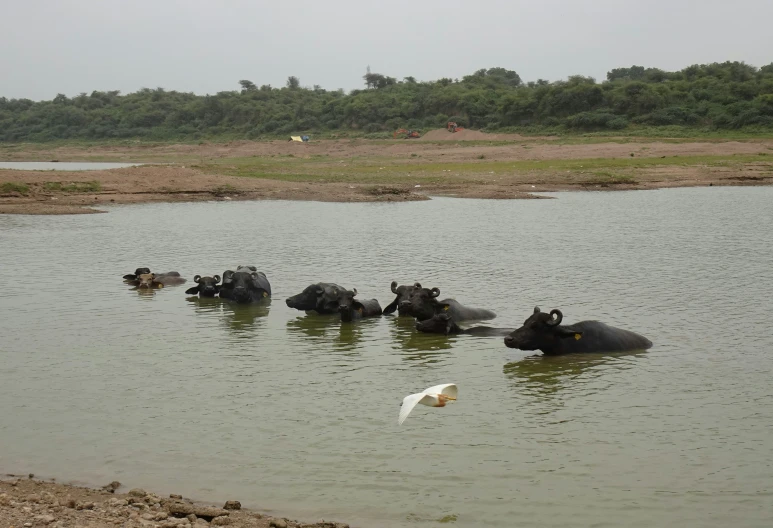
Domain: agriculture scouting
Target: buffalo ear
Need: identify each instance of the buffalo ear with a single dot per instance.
(130, 277)
(566, 332)
(192, 291)
(390, 308)
(536, 309)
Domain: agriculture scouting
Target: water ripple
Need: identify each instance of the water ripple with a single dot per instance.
(158, 388)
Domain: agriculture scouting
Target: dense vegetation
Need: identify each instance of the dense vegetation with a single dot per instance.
(731, 95)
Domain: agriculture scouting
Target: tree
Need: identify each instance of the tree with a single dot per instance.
(248, 86)
(293, 83)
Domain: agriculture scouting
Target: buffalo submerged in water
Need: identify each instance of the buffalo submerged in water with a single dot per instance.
(245, 285)
(205, 286)
(443, 323)
(403, 293)
(352, 309)
(330, 298)
(321, 297)
(422, 303)
(143, 278)
(543, 331)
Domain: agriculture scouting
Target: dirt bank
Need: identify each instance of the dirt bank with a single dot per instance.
(369, 170)
(168, 184)
(27, 502)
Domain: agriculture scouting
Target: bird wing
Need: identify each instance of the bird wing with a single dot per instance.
(449, 389)
(409, 402)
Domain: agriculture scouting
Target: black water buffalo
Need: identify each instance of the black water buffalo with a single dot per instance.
(137, 273)
(321, 297)
(157, 280)
(403, 294)
(205, 286)
(542, 331)
(351, 308)
(423, 304)
(443, 323)
(245, 285)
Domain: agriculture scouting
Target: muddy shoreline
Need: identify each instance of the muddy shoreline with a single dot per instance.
(369, 171)
(28, 502)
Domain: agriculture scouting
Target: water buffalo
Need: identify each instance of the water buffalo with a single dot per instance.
(137, 273)
(403, 294)
(542, 331)
(206, 286)
(245, 285)
(351, 308)
(443, 323)
(423, 304)
(157, 280)
(321, 297)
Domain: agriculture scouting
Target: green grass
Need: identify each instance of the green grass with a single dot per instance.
(390, 170)
(74, 187)
(14, 187)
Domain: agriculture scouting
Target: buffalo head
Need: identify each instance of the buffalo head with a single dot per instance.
(321, 297)
(541, 331)
(441, 323)
(207, 286)
(349, 307)
(148, 280)
(422, 303)
(403, 294)
(137, 273)
(245, 285)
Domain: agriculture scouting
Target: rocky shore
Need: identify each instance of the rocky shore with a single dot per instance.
(28, 502)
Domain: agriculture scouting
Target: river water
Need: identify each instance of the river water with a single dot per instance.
(297, 414)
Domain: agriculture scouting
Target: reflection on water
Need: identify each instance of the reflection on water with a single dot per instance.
(206, 305)
(241, 320)
(414, 345)
(315, 325)
(245, 318)
(547, 375)
(176, 393)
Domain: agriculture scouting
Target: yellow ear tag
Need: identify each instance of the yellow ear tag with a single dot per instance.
(160, 285)
(577, 336)
(359, 311)
(265, 294)
(445, 308)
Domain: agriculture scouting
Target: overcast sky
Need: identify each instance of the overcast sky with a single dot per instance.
(73, 46)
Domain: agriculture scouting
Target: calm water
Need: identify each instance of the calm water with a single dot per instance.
(297, 414)
(63, 165)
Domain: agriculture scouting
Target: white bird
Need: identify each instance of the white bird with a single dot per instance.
(436, 396)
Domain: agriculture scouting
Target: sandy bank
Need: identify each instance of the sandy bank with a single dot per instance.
(28, 502)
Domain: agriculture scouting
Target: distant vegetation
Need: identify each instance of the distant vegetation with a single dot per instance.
(709, 97)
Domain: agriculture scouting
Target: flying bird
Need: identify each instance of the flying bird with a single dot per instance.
(436, 396)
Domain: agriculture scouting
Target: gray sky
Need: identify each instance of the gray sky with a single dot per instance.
(73, 46)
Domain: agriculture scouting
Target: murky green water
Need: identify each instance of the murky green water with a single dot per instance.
(298, 414)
